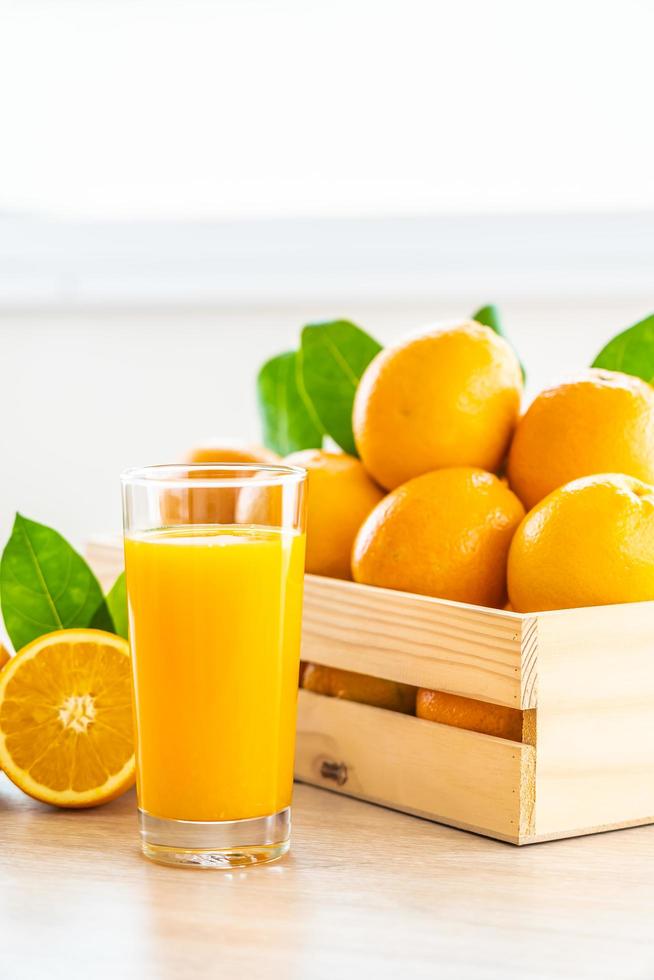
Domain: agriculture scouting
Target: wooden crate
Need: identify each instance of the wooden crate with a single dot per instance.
(585, 677)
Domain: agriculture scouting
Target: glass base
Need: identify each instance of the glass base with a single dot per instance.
(215, 844)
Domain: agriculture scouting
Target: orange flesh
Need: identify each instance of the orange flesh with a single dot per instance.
(66, 718)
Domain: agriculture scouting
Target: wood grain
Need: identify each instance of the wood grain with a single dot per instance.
(364, 892)
(447, 646)
(447, 774)
(595, 719)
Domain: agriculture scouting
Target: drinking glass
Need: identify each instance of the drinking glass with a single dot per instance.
(214, 559)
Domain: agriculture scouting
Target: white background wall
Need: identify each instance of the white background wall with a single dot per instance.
(183, 185)
(284, 107)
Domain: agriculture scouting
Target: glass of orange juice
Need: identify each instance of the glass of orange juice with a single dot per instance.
(214, 559)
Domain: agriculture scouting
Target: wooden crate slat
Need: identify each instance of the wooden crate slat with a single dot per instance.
(415, 639)
(529, 663)
(453, 776)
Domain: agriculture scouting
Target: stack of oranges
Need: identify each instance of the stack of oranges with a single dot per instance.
(456, 496)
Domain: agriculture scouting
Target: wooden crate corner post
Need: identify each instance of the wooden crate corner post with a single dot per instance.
(595, 720)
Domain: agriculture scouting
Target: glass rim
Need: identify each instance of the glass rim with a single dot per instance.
(162, 474)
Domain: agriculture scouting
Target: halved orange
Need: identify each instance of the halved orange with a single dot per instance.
(66, 730)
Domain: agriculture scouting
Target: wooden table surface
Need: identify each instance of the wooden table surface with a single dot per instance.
(364, 892)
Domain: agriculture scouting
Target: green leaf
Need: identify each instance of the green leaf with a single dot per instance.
(288, 419)
(632, 351)
(117, 604)
(334, 355)
(102, 619)
(489, 316)
(45, 585)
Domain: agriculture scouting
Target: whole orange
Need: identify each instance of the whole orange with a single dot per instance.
(446, 397)
(223, 451)
(206, 505)
(444, 534)
(589, 543)
(340, 495)
(349, 686)
(601, 422)
(476, 716)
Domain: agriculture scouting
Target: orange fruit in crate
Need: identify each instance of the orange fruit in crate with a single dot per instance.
(66, 729)
(350, 686)
(476, 716)
(444, 534)
(204, 505)
(447, 397)
(221, 451)
(589, 543)
(340, 495)
(601, 422)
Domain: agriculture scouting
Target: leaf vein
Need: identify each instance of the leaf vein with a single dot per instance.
(41, 578)
(340, 360)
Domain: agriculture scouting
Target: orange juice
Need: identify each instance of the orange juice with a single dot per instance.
(216, 645)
